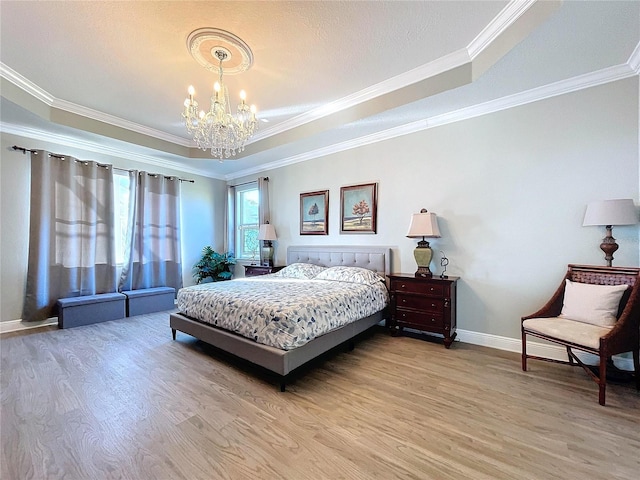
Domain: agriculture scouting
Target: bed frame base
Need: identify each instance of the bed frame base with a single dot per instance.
(280, 362)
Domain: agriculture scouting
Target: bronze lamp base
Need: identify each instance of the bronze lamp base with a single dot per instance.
(608, 246)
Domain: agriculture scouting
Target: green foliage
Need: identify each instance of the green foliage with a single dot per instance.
(217, 266)
(251, 242)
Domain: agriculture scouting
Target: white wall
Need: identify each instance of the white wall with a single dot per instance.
(510, 191)
(202, 215)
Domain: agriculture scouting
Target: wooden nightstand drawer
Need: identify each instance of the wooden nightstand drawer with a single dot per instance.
(420, 302)
(426, 304)
(437, 290)
(257, 270)
(431, 322)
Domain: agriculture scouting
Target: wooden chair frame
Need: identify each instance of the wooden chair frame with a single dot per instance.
(623, 337)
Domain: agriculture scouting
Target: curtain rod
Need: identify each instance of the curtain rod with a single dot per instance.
(55, 155)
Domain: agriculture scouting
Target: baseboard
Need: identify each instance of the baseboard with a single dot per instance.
(18, 325)
(538, 349)
(466, 336)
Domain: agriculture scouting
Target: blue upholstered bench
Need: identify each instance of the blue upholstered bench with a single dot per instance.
(88, 309)
(148, 300)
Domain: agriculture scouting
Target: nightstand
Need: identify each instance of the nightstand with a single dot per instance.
(424, 304)
(257, 270)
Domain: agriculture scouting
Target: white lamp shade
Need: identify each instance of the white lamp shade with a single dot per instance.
(267, 232)
(423, 224)
(611, 212)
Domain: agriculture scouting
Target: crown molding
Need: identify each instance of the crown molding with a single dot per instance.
(96, 147)
(581, 82)
(423, 72)
(328, 150)
(634, 60)
(537, 94)
(441, 65)
(593, 79)
(119, 122)
(34, 90)
(405, 79)
(26, 84)
(507, 17)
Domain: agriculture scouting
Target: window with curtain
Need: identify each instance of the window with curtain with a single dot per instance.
(152, 253)
(71, 232)
(247, 200)
(86, 221)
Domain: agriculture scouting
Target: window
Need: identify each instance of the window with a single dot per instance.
(121, 213)
(247, 200)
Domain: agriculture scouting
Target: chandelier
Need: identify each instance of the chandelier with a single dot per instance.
(218, 129)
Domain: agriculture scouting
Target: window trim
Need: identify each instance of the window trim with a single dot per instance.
(240, 228)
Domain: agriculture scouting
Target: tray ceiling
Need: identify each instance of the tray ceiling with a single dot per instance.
(323, 73)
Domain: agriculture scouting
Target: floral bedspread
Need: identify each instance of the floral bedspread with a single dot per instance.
(284, 313)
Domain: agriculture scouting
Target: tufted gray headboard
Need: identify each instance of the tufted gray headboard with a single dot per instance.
(377, 259)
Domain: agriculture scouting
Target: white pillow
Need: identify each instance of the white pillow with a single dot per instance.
(305, 271)
(350, 274)
(594, 304)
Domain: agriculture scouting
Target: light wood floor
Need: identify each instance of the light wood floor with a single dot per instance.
(122, 400)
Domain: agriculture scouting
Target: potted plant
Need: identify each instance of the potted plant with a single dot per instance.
(217, 266)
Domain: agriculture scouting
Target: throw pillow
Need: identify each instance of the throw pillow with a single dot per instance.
(594, 304)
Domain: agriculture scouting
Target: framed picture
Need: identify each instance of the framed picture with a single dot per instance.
(358, 208)
(314, 213)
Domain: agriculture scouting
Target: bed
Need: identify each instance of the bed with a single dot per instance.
(284, 358)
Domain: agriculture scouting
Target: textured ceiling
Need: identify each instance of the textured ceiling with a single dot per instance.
(323, 72)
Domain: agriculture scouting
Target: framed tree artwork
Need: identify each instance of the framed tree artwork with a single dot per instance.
(314, 213)
(358, 208)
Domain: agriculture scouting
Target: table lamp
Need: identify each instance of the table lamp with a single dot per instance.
(608, 213)
(267, 233)
(423, 224)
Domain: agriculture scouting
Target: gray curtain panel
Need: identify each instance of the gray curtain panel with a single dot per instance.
(71, 237)
(264, 214)
(153, 256)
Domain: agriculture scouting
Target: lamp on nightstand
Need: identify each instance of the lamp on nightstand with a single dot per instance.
(608, 213)
(423, 224)
(267, 233)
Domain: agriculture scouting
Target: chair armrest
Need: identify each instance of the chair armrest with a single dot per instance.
(553, 307)
(625, 334)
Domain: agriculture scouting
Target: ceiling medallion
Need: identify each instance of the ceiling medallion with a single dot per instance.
(204, 42)
(218, 129)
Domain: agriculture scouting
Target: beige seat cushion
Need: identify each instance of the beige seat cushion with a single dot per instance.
(568, 330)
